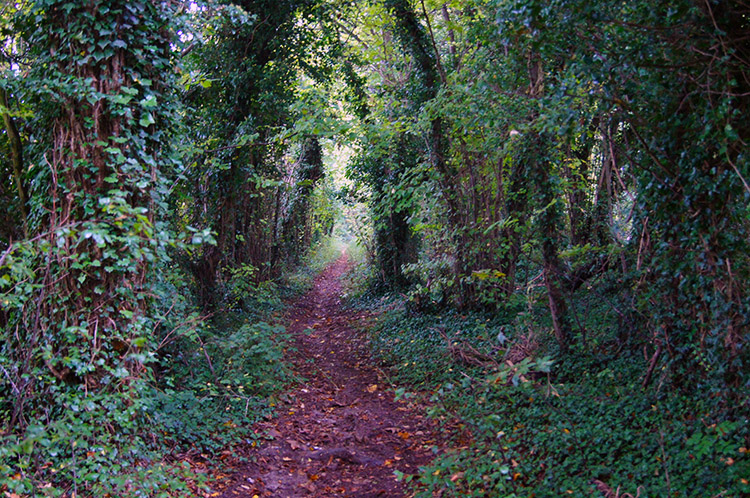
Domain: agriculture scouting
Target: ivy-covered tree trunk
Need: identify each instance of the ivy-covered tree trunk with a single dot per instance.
(553, 271)
(428, 78)
(395, 244)
(691, 131)
(576, 169)
(13, 179)
(16, 157)
(515, 208)
(106, 72)
(296, 229)
(77, 337)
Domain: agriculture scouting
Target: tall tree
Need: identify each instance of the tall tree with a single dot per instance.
(104, 113)
(250, 60)
(75, 345)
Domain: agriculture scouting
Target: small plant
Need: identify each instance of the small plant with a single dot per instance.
(245, 292)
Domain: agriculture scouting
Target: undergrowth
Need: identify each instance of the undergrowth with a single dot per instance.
(585, 427)
(210, 378)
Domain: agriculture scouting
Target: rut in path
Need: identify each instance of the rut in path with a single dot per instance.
(342, 433)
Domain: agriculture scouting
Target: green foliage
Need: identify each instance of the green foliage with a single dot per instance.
(676, 140)
(543, 429)
(577, 170)
(218, 385)
(253, 134)
(96, 447)
(243, 290)
(435, 283)
(214, 378)
(76, 344)
(251, 358)
(511, 147)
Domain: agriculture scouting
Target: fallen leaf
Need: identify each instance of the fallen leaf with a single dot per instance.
(372, 388)
(274, 434)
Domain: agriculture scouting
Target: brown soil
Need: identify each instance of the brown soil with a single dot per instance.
(342, 433)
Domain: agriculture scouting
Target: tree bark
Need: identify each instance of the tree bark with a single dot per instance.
(16, 157)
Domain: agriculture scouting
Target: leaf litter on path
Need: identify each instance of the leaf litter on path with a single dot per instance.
(341, 433)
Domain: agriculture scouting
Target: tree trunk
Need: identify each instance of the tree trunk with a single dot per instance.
(16, 158)
(553, 271)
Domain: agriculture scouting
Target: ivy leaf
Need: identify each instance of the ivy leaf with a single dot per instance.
(149, 102)
(122, 99)
(147, 120)
(544, 364)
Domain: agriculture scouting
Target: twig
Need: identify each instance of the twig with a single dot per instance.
(467, 353)
(652, 365)
(664, 461)
(440, 68)
(208, 358)
(12, 384)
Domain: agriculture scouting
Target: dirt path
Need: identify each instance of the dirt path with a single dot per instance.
(342, 433)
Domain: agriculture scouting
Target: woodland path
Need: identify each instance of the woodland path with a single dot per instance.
(341, 433)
